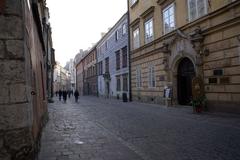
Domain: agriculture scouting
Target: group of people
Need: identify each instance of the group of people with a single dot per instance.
(63, 94)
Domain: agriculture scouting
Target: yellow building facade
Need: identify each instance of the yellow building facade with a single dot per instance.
(175, 41)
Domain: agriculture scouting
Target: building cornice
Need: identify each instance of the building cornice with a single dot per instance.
(147, 12)
(135, 22)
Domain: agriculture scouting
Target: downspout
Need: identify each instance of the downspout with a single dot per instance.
(129, 56)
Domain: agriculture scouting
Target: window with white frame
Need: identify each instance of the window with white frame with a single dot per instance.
(136, 39)
(151, 76)
(196, 9)
(149, 30)
(169, 18)
(133, 2)
(138, 77)
(124, 29)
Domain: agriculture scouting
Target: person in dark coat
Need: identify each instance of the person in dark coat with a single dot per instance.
(60, 94)
(76, 95)
(69, 93)
(64, 96)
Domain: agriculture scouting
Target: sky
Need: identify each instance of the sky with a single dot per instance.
(77, 24)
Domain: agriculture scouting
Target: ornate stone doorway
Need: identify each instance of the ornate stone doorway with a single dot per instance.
(185, 74)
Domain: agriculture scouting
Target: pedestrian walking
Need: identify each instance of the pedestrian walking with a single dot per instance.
(69, 93)
(60, 94)
(64, 96)
(76, 95)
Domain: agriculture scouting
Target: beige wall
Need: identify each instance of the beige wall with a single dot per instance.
(220, 29)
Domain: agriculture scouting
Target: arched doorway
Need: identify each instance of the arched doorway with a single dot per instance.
(186, 72)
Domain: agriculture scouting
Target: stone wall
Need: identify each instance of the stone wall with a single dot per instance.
(22, 114)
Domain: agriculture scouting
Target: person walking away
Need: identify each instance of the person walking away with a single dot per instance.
(76, 95)
(64, 96)
(69, 94)
(60, 94)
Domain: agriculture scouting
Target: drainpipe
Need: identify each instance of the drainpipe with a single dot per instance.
(129, 56)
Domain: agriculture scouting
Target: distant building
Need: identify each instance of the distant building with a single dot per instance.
(70, 67)
(79, 65)
(112, 59)
(61, 78)
(90, 72)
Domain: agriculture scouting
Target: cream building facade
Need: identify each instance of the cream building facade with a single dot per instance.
(174, 41)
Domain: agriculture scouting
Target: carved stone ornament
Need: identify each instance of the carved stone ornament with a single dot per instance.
(197, 40)
(165, 48)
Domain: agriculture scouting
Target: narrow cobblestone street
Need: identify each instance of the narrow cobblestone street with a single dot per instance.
(99, 129)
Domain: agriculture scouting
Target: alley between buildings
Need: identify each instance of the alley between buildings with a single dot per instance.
(107, 129)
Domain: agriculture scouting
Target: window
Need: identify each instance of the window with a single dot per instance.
(124, 57)
(136, 39)
(133, 2)
(138, 77)
(151, 77)
(124, 29)
(125, 82)
(117, 60)
(169, 19)
(107, 64)
(149, 31)
(196, 9)
(100, 68)
(106, 45)
(118, 83)
(116, 35)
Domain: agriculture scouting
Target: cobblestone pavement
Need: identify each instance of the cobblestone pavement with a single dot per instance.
(99, 129)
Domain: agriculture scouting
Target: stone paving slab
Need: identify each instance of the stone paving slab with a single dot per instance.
(103, 129)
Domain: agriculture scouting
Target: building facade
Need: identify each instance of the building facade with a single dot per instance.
(62, 79)
(89, 73)
(112, 58)
(79, 65)
(175, 42)
(70, 67)
(23, 94)
(50, 53)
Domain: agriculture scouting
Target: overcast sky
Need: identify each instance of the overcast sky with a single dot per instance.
(77, 24)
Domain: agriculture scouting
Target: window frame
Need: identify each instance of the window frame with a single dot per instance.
(138, 77)
(118, 83)
(197, 12)
(151, 76)
(174, 17)
(116, 35)
(146, 23)
(125, 55)
(125, 86)
(118, 60)
(124, 29)
(138, 40)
